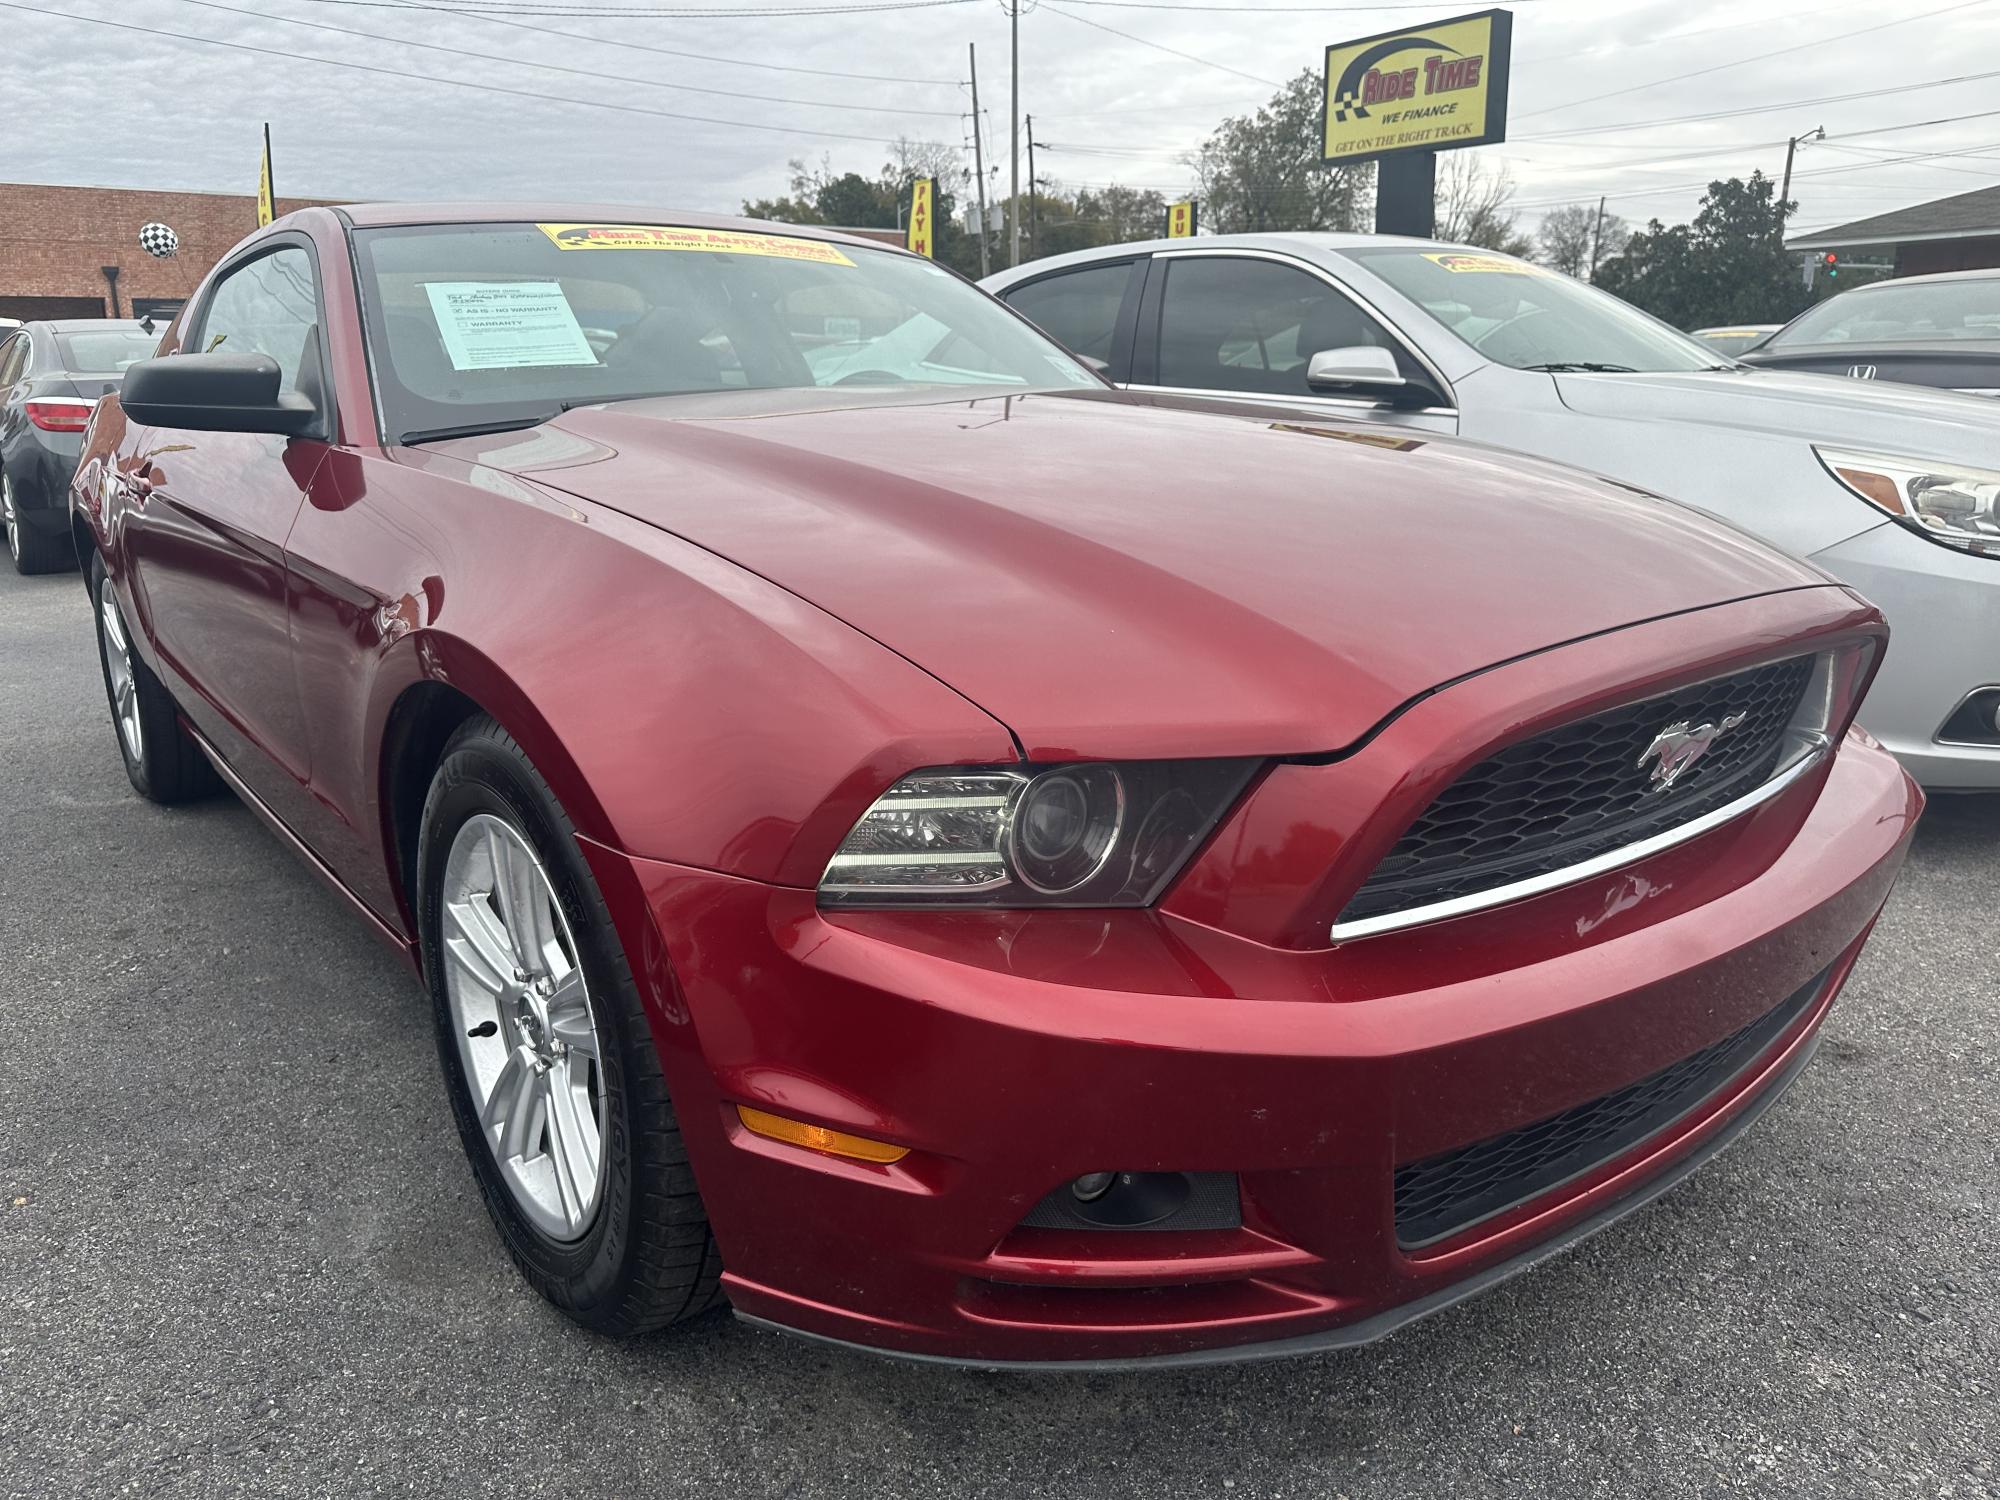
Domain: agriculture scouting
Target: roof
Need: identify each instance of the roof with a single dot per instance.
(392, 215)
(1990, 273)
(1962, 216)
(1307, 240)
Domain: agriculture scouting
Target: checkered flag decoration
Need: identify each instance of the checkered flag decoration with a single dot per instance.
(159, 240)
(1347, 107)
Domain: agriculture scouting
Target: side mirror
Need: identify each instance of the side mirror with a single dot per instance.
(1359, 371)
(217, 393)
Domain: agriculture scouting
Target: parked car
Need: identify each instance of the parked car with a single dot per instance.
(51, 375)
(1941, 330)
(1894, 490)
(1736, 339)
(991, 872)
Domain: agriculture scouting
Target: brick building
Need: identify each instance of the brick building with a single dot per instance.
(1959, 233)
(73, 252)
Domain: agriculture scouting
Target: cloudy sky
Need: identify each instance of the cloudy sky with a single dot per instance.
(700, 103)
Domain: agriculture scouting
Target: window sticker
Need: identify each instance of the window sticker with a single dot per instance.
(507, 325)
(1068, 369)
(1459, 261)
(713, 241)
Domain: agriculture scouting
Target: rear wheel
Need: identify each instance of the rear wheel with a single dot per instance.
(547, 1055)
(161, 759)
(32, 551)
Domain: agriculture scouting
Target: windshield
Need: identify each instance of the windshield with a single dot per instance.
(104, 351)
(1518, 314)
(1919, 313)
(483, 325)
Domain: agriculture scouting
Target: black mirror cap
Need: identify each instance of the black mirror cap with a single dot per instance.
(216, 393)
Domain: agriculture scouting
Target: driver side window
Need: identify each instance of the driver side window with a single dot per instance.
(269, 306)
(1230, 324)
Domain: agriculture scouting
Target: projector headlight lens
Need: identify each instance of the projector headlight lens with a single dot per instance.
(1088, 833)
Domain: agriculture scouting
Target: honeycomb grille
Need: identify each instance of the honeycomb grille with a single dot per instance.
(1443, 1195)
(1579, 791)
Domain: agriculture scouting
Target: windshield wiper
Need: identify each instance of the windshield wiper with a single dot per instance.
(475, 429)
(1590, 367)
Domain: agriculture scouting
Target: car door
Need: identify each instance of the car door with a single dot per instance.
(13, 366)
(206, 520)
(1235, 327)
(1090, 310)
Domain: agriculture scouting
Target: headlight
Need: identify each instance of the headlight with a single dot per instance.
(1089, 833)
(1951, 504)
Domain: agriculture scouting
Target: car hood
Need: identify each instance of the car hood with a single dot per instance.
(1903, 419)
(1112, 580)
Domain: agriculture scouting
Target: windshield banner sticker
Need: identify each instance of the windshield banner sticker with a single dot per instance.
(1459, 261)
(715, 241)
(507, 325)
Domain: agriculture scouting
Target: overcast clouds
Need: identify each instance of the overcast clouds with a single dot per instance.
(123, 108)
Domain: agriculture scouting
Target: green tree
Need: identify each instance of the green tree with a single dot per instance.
(847, 200)
(1263, 171)
(1729, 265)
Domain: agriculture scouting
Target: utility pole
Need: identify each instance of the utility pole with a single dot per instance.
(1014, 120)
(1596, 239)
(978, 160)
(1817, 133)
(1034, 187)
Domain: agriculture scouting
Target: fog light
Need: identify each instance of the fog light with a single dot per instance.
(1092, 1185)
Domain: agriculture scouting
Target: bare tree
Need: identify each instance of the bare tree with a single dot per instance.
(1562, 242)
(1472, 204)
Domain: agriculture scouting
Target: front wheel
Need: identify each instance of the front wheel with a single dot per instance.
(547, 1055)
(162, 760)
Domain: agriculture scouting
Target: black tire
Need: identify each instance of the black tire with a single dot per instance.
(33, 551)
(168, 766)
(648, 1258)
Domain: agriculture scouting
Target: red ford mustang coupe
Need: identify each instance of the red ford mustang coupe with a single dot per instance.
(902, 836)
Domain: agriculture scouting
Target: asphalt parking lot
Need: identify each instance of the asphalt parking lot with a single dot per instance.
(240, 1252)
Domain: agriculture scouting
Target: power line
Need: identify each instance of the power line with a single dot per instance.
(1738, 62)
(432, 8)
(592, 74)
(1759, 109)
(692, 13)
(1162, 47)
(456, 83)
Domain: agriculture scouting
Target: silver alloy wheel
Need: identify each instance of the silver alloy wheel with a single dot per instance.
(118, 664)
(527, 1036)
(7, 514)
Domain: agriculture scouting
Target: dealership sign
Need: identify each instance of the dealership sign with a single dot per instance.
(1425, 88)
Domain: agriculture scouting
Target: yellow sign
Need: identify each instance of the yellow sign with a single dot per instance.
(714, 241)
(922, 225)
(1426, 88)
(1180, 220)
(265, 205)
(1501, 264)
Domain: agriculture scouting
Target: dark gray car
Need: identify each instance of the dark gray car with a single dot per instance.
(51, 376)
(1941, 330)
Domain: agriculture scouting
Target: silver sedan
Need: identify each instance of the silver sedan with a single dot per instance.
(1893, 489)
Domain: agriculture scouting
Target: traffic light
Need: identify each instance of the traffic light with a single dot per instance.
(1831, 262)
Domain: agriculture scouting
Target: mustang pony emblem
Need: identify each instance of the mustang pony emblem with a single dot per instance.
(1678, 747)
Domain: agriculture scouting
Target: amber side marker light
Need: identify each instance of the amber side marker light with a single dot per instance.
(817, 1137)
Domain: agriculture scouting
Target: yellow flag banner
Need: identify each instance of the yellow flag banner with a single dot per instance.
(1180, 220)
(266, 204)
(920, 233)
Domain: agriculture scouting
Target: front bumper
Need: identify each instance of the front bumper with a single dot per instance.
(1013, 1051)
(1944, 609)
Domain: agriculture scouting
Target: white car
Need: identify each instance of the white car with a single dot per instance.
(1893, 489)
